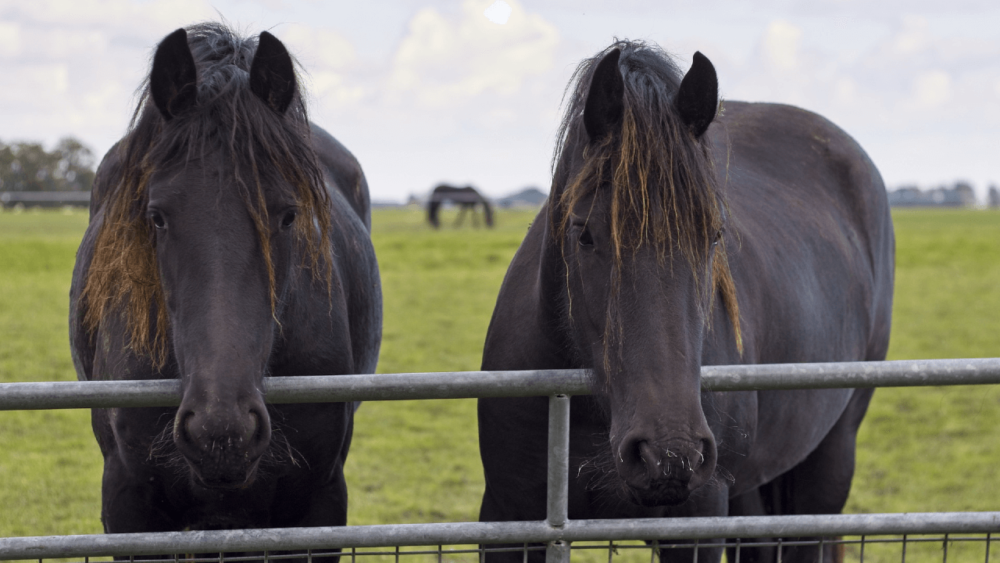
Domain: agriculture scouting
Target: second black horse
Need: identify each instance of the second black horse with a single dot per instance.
(674, 238)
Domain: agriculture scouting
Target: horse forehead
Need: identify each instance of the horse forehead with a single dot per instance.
(207, 183)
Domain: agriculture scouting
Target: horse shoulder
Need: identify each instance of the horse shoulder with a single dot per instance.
(342, 170)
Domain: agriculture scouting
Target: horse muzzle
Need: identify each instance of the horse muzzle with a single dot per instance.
(664, 473)
(223, 447)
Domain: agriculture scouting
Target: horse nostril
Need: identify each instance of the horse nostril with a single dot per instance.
(181, 431)
(258, 430)
(254, 424)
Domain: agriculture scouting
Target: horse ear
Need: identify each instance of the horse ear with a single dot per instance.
(698, 96)
(173, 82)
(604, 108)
(272, 74)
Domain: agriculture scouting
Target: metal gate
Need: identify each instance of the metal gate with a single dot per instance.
(919, 537)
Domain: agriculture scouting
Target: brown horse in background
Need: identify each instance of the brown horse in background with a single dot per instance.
(467, 198)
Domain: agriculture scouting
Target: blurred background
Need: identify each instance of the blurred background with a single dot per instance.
(433, 91)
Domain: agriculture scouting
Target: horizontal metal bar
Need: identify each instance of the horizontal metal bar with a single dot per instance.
(470, 384)
(843, 375)
(300, 539)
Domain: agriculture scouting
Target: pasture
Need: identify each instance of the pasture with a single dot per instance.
(921, 449)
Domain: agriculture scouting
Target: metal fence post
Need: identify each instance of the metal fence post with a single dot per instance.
(557, 508)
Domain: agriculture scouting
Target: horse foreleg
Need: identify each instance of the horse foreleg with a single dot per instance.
(131, 504)
(750, 503)
(712, 499)
(822, 482)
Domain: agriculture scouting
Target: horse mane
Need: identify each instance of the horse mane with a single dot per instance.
(658, 177)
(259, 145)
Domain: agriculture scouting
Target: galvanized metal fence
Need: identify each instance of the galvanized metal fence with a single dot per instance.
(557, 534)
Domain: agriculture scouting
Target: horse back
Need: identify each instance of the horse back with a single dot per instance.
(342, 171)
(813, 250)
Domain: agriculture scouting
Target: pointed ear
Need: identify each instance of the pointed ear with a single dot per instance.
(272, 74)
(698, 97)
(604, 107)
(173, 82)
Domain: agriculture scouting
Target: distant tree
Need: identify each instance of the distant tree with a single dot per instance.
(29, 167)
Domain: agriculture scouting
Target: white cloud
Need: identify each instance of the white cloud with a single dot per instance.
(159, 15)
(10, 39)
(318, 47)
(498, 12)
(913, 37)
(931, 89)
(78, 62)
(328, 59)
(445, 59)
(781, 45)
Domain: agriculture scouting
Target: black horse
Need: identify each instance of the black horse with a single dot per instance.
(228, 241)
(467, 199)
(675, 238)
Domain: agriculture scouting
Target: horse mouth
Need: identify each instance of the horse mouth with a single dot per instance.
(225, 477)
(667, 492)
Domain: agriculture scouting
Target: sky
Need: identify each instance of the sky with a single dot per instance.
(424, 92)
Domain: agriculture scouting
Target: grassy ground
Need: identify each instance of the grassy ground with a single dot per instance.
(920, 449)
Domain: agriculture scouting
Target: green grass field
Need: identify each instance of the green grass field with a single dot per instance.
(921, 449)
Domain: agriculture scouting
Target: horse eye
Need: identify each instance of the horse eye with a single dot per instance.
(585, 238)
(288, 219)
(718, 237)
(157, 219)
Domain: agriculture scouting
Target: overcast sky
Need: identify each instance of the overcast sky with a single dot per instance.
(430, 91)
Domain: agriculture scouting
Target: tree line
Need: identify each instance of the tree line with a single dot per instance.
(27, 166)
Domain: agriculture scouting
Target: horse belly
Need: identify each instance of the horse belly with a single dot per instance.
(790, 425)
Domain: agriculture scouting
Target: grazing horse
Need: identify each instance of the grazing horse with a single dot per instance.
(678, 236)
(228, 241)
(467, 199)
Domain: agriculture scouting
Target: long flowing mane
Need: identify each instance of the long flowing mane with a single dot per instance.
(658, 178)
(259, 147)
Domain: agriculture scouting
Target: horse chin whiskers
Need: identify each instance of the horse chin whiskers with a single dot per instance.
(280, 453)
(722, 474)
(163, 453)
(602, 477)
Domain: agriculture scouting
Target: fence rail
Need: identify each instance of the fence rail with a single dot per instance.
(557, 531)
(471, 384)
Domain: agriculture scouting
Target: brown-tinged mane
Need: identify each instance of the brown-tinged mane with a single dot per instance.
(655, 177)
(261, 149)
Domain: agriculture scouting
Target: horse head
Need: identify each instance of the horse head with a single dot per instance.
(223, 200)
(639, 221)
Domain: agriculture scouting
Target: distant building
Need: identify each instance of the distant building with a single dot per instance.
(528, 197)
(993, 198)
(961, 195)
